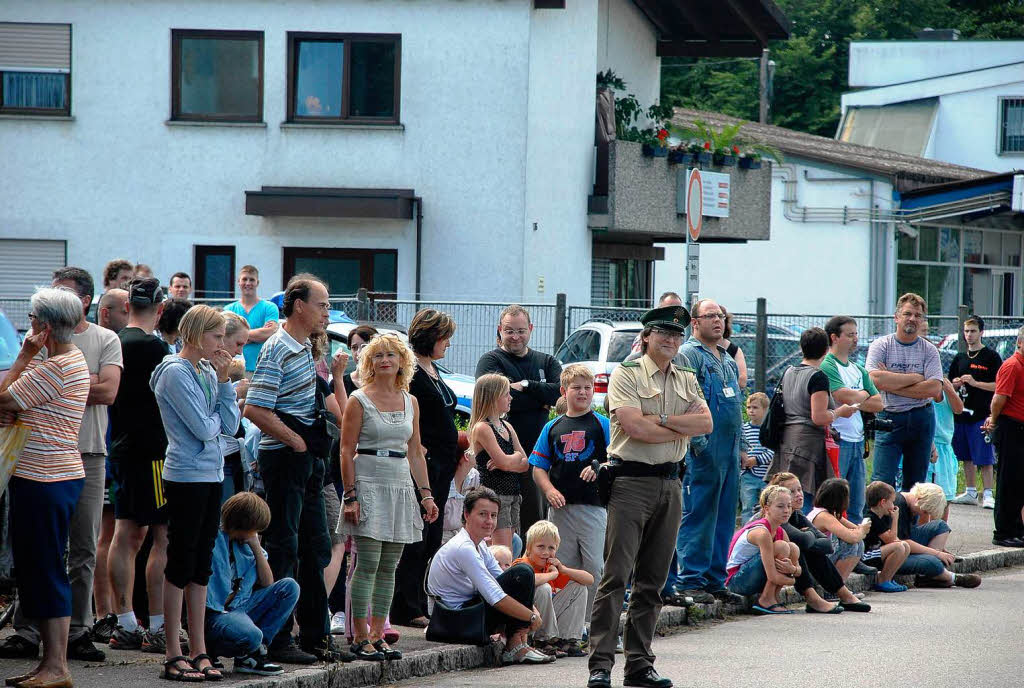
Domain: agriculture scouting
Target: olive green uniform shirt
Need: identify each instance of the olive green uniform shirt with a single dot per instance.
(640, 384)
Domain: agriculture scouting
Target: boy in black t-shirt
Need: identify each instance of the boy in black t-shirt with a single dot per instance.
(892, 552)
(561, 462)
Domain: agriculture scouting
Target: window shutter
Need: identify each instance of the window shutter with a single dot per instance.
(35, 47)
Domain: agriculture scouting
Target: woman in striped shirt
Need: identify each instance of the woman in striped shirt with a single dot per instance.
(49, 396)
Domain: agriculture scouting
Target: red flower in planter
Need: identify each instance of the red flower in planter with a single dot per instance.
(707, 145)
(736, 150)
(662, 134)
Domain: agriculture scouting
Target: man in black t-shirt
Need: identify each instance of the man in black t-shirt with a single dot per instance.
(137, 447)
(973, 374)
(535, 389)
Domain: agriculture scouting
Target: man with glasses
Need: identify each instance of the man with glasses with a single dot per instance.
(906, 370)
(535, 389)
(283, 387)
(656, 407)
(711, 484)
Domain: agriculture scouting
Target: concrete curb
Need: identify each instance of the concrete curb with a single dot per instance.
(462, 657)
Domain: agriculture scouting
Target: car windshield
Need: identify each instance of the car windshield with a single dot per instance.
(621, 344)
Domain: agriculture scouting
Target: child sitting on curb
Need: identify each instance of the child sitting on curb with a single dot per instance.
(762, 560)
(244, 605)
(830, 503)
(502, 555)
(560, 596)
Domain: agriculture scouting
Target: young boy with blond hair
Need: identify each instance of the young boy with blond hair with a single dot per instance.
(562, 463)
(561, 594)
(502, 555)
(754, 462)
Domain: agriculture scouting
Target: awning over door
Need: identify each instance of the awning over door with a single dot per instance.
(295, 201)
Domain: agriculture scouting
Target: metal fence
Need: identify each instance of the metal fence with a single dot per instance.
(770, 341)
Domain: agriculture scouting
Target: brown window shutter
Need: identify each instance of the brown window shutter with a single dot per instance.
(35, 47)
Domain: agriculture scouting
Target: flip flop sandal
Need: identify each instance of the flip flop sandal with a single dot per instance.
(188, 675)
(210, 673)
(764, 611)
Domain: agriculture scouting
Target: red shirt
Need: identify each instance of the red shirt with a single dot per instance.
(1010, 383)
(556, 585)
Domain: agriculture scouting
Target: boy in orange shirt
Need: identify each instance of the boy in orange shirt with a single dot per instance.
(561, 594)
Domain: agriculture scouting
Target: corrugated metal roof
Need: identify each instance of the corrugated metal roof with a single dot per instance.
(907, 171)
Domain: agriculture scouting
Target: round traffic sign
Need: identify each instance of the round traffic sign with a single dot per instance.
(694, 204)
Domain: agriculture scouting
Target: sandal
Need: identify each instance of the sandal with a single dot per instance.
(531, 656)
(188, 675)
(771, 609)
(389, 654)
(361, 652)
(210, 673)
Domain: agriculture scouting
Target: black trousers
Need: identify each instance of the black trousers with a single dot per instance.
(518, 583)
(193, 517)
(297, 541)
(410, 600)
(1009, 479)
(814, 563)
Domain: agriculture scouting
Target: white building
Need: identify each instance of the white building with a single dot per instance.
(841, 241)
(956, 101)
(439, 148)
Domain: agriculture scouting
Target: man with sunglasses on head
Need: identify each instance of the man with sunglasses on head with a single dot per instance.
(535, 389)
(711, 483)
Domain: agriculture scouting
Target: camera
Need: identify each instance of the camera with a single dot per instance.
(878, 424)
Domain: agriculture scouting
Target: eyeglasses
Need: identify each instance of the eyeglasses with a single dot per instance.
(711, 316)
(31, 316)
(670, 334)
(518, 333)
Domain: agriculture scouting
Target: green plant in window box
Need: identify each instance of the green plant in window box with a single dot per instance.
(750, 160)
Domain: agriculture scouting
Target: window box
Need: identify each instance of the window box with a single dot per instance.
(344, 78)
(216, 76)
(35, 69)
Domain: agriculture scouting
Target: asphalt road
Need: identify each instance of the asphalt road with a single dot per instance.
(927, 638)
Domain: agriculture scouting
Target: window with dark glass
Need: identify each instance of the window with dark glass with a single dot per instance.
(346, 270)
(343, 78)
(1011, 125)
(217, 75)
(35, 69)
(215, 272)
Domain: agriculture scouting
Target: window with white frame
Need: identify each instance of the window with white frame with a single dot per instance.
(35, 69)
(1011, 125)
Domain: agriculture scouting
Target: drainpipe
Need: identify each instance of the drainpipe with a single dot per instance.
(419, 240)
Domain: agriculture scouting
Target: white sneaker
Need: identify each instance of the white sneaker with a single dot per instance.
(965, 498)
(338, 623)
(988, 502)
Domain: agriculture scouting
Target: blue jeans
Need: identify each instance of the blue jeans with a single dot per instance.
(750, 492)
(926, 565)
(750, 579)
(241, 631)
(710, 496)
(911, 440)
(851, 468)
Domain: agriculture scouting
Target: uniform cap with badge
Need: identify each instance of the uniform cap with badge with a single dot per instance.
(675, 318)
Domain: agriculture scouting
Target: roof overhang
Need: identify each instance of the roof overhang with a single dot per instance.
(298, 201)
(996, 201)
(714, 28)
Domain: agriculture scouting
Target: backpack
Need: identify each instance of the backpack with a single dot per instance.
(774, 423)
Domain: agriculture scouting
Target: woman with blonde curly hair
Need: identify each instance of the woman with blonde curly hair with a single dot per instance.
(380, 447)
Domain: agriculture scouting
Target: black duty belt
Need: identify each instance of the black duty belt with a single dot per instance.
(383, 453)
(635, 469)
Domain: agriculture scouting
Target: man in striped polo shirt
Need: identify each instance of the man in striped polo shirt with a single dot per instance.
(297, 542)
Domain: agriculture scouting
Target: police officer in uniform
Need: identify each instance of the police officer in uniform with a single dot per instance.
(656, 407)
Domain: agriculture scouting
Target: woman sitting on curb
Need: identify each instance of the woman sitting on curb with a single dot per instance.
(762, 560)
(830, 503)
(464, 572)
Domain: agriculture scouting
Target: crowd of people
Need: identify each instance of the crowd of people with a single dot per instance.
(271, 499)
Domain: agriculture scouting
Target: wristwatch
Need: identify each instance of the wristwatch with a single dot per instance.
(525, 383)
(533, 617)
(663, 419)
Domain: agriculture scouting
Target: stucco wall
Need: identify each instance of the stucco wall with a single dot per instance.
(119, 181)
(879, 63)
(967, 128)
(626, 45)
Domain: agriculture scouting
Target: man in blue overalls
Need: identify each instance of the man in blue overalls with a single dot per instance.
(711, 482)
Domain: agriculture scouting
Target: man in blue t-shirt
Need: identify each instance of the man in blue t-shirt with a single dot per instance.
(261, 315)
(562, 470)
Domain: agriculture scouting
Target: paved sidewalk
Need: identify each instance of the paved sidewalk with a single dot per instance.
(971, 539)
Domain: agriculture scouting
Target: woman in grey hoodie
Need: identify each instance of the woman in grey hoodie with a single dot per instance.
(197, 405)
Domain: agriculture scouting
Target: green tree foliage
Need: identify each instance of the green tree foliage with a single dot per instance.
(811, 67)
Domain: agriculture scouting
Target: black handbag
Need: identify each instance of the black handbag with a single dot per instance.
(774, 423)
(464, 626)
(318, 436)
